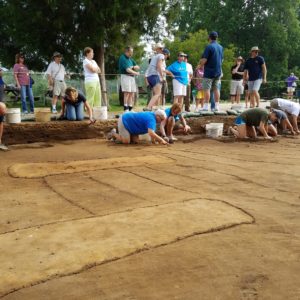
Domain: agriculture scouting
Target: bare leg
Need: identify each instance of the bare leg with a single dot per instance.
(119, 138)
(295, 124)
(1, 132)
(156, 96)
(238, 98)
(170, 126)
(239, 131)
(272, 131)
(206, 98)
(252, 99)
(257, 98)
(246, 98)
(232, 98)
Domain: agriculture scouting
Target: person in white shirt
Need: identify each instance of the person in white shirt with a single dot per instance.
(91, 78)
(290, 107)
(190, 72)
(56, 79)
(156, 74)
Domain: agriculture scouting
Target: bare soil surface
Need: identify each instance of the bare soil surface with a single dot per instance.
(200, 219)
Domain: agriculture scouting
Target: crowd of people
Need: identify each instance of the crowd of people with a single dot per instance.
(246, 75)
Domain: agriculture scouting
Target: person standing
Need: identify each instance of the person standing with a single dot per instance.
(56, 79)
(198, 77)
(180, 78)
(156, 75)
(190, 71)
(2, 86)
(128, 69)
(211, 61)
(255, 72)
(91, 78)
(22, 78)
(2, 114)
(291, 85)
(236, 84)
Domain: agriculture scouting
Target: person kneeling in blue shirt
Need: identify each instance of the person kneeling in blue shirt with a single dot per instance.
(72, 106)
(132, 124)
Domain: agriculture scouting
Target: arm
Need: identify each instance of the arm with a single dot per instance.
(162, 128)
(16, 79)
(263, 130)
(288, 125)
(245, 76)
(185, 126)
(264, 71)
(90, 112)
(131, 71)
(169, 73)
(50, 80)
(156, 137)
(94, 69)
(202, 62)
(159, 68)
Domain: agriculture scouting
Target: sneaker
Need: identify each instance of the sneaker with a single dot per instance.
(171, 141)
(3, 147)
(147, 109)
(110, 135)
(174, 138)
(54, 111)
(25, 112)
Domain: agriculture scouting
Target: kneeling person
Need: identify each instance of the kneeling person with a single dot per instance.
(2, 114)
(131, 125)
(72, 106)
(248, 120)
(279, 117)
(173, 116)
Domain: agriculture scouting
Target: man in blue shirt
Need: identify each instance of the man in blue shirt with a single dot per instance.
(2, 114)
(132, 124)
(212, 59)
(255, 72)
(180, 81)
(128, 69)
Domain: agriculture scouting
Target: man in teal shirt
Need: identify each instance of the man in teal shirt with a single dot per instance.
(128, 69)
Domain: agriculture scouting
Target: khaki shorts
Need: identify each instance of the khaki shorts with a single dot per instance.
(128, 84)
(123, 132)
(59, 88)
(209, 83)
(236, 87)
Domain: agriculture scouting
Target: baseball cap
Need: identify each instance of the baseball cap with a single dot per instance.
(180, 54)
(280, 115)
(158, 46)
(213, 34)
(166, 51)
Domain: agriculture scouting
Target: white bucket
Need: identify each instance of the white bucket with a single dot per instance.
(100, 113)
(42, 115)
(214, 129)
(13, 115)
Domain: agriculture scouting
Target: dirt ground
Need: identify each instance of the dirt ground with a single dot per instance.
(200, 219)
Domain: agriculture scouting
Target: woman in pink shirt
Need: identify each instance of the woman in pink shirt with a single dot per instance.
(22, 78)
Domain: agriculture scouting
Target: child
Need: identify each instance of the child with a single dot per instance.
(199, 72)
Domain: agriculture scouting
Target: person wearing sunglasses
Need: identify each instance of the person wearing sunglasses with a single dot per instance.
(255, 73)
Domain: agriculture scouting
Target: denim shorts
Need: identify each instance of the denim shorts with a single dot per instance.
(254, 85)
(239, 121)
(153, 80)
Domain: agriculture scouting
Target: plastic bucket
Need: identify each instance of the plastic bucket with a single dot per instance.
(42, 115)
(13, 115)
(100, 113)
(214, 129)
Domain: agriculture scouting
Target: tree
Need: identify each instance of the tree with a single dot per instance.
(273, 25)
(40, 27)
(194, 44)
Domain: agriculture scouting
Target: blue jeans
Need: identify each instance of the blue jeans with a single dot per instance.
(74, 113)
(27, 91)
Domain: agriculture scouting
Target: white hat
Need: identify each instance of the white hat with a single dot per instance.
(255, 48)
(158, 46)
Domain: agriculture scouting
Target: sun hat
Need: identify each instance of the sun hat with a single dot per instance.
(181, 54)
(56, 54)
(255, 48)
(240, 58)
(158, 46)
